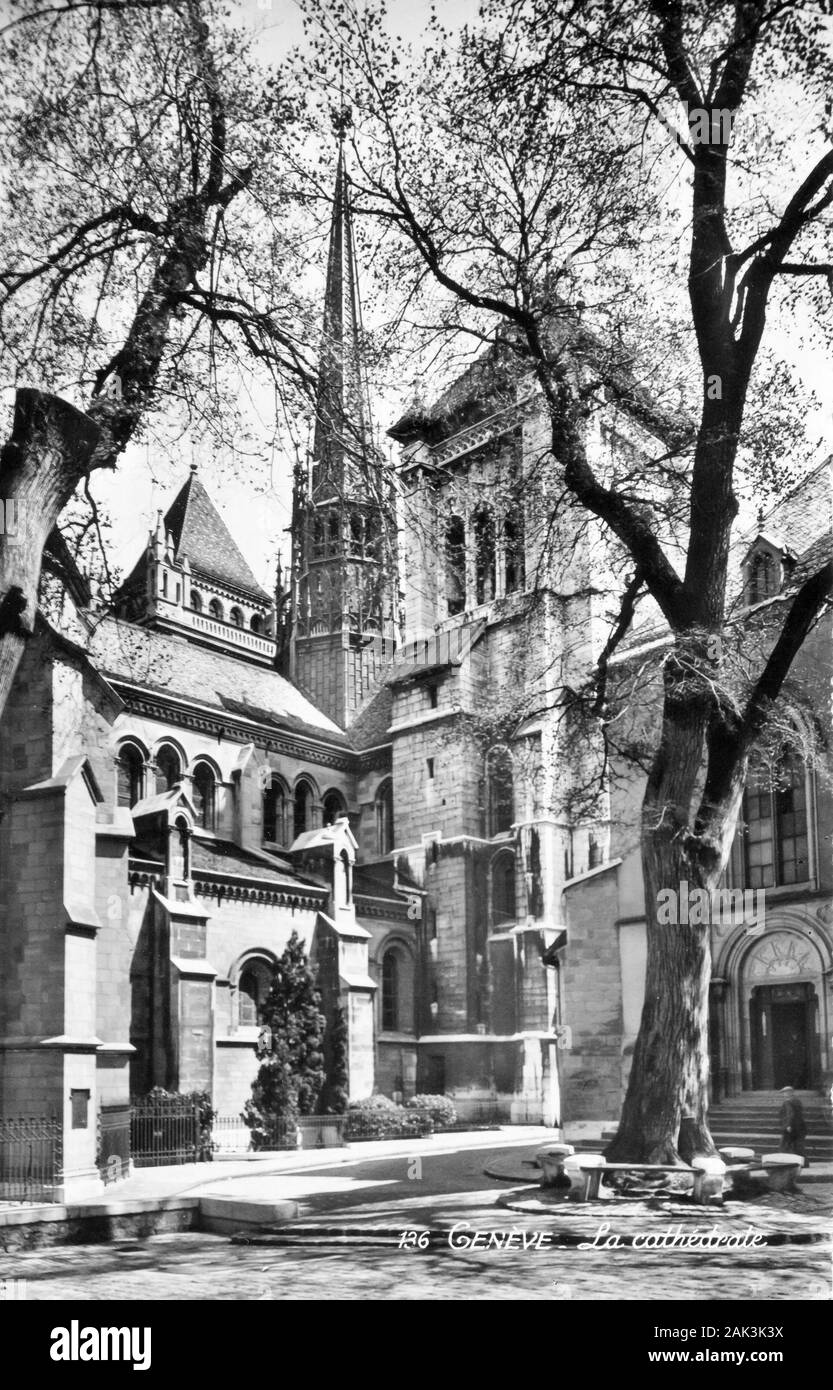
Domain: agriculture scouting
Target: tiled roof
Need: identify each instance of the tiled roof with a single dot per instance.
(377, 881)
(435, 653)
(371, 724)
(199, 532)
(224, 857)
(815, 557)
(804, 514)
(171, 665)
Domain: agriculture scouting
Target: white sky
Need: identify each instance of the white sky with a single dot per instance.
(257, 511)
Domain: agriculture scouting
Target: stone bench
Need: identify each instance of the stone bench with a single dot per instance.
(707, 1172)
(782, 1171)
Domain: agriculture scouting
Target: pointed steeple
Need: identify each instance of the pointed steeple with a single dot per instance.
(342, 445)
(343, 573)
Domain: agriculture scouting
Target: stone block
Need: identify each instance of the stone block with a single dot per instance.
(227, 1215)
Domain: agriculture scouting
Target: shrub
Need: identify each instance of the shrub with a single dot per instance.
(333, 1099)
(291, 1077)
(440, 1108)
(376, 1117)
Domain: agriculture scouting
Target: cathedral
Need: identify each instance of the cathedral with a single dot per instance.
(374, 757)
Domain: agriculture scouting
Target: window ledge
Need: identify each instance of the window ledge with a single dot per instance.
(785, 890)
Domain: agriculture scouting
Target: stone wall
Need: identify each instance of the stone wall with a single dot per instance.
(591, 1075)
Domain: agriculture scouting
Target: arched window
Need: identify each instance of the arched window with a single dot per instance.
(302, 809)
(500, 802)
(390, 992)
(204, 786)
(256, 624)
(484, 555)
(384, 818)
(179, 850)
(253, 988)
(776, 843)
(763, 579)
(373, 536)
(346, 869)
(131, 773)
(503, 889)
(236, 617)
(215, 608)
(514, 557)
(168, 768)
(397, 990)
(318, 537)
(333, 807)
(455, 565)
(196, 601)
(356, 533)
(274, 813)
(333, 533)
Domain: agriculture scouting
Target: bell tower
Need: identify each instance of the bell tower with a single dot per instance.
(344, 587)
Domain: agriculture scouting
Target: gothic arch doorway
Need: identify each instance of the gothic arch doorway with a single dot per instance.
(771, 1004)
(784, 1035)
(782, 982)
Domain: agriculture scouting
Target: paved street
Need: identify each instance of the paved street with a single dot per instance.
(371, 1202)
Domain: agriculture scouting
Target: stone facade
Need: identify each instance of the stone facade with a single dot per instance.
(379, 760)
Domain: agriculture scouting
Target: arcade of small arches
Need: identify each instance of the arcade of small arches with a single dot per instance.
(234, 616)
(290, 812)
(353, 531)
(287, 811)
(484, 556)
(139, 775)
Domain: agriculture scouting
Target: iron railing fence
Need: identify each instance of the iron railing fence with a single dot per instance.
(231, 1135)
(172, 1130)
(31, 1159)
(113, 1156)
(168, 1131)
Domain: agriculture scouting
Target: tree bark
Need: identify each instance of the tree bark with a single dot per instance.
(47, 455)
(685, 846)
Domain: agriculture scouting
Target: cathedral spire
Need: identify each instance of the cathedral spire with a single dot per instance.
(341, 629)
(342, 444)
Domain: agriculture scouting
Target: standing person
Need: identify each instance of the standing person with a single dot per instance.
(793, 1125)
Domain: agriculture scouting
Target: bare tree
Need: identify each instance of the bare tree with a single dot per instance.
(148, 230)
(528, 192)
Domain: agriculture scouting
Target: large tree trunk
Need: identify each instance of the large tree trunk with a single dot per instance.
(48, 453)
(685, 846)
(669, 1076)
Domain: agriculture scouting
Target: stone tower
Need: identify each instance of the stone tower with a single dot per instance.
(343, 581)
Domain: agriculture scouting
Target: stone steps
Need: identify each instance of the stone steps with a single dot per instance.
(750, 1121)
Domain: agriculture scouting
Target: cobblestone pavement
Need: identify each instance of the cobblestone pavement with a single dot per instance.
(371, 1203)
(201, 1267)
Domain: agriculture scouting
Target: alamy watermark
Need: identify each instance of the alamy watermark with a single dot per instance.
(9, 518)
(719, 907)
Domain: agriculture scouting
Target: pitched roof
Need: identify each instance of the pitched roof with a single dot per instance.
(371, 724)
(199, 532)
(804, 513)
(171, 665)
(224, 857)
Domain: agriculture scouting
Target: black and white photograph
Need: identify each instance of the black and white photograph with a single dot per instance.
(416, 676)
